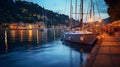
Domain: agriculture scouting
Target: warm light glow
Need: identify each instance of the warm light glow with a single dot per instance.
(99, 37)
(13, 34)
(21, 35)
(82, 38)
(13, 26)
(99, 20)
(30, 26)
(97, 25)
(102, 36)
(90, 20)
(37, 37)
(30, 35)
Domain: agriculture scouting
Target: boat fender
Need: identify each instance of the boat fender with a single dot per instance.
(82, 38)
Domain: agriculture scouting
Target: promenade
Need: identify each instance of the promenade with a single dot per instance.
(106, 52)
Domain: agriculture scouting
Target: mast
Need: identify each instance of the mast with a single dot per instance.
(91, 18)
(81, 13)
(70, 13)
(76, 9)
(81, 20)
(70, 8)
(91, 9)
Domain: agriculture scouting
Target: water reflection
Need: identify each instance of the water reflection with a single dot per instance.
(30, 34)
(81, 56)
(54, 34)
(25, 48)
(13, 34)
(21, 34)
(6, 41)
(37, 37)
(81, 49)
(27, 38)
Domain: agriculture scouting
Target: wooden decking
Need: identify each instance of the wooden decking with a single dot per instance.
(106, 53)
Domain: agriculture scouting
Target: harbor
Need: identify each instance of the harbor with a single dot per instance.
(59, 33)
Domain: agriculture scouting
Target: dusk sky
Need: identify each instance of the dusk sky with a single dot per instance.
(62, 6)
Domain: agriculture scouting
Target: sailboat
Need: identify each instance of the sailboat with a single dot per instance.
(81, 35)
(44, 25)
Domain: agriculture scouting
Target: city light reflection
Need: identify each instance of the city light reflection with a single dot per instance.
(37, 36)
(21, 35)
(54, 34)
(30, 34)
(6, 41)
(13, 34)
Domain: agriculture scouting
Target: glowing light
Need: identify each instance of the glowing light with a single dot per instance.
(102, 36)
(90, 20)
(100, 20)
(30, 26)
(82, 38)
(30, 35)
(99, 37)
(13, 26)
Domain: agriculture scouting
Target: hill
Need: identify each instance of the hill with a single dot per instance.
(28, 12)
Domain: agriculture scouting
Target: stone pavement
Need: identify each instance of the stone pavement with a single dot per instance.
(106, 53)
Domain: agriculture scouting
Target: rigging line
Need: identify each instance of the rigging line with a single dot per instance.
(42, 3)
(90, 8)
(79, 11)
(75, 9)
(71, 9)
(93, 11)
(65, 6)
(81, 20)
(98, 9)
(87, 13)
(81, 8)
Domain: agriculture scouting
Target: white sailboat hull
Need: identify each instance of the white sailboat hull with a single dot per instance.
(80, 37)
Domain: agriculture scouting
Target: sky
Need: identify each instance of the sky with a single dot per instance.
(63, 6)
